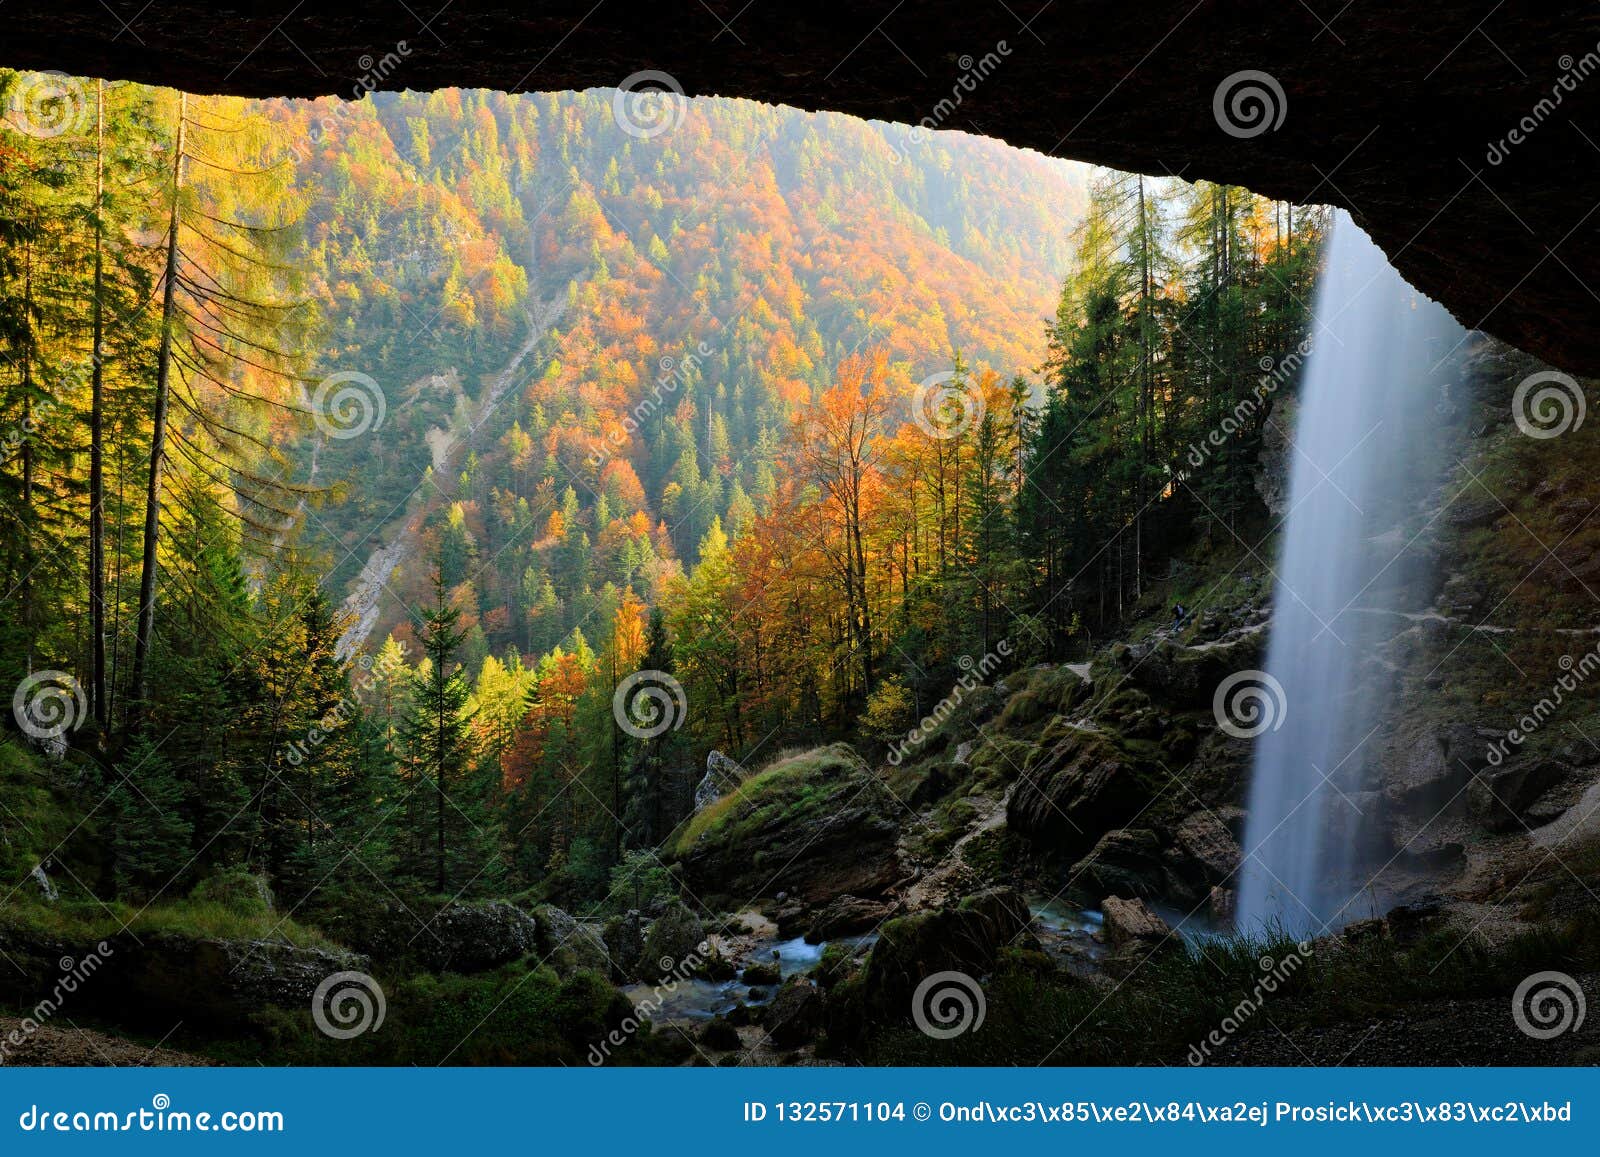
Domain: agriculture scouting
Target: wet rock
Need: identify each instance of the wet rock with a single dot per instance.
(1125, 860)
(1187, 677)
(720, 1036)
(1082, 786)
(1004, 908)
(1470, 511)
(1430, 773)
(1132, 921)
(845, 916)
(760, 974)
(1207, 839)
(1220, 905)
(966, 938)
(795, 1015)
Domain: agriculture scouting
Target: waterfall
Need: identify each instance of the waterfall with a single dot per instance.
(1363, 444)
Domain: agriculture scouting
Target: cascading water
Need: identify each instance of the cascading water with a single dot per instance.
(1360, 467)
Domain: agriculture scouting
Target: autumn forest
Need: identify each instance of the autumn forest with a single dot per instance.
(403, 498)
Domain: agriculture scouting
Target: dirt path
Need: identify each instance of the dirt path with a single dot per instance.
(951, 878)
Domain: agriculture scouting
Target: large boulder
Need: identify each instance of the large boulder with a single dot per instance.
(676, 940)
(795, 1015)
(1187, 677)
(1499, 798)
(1131, 922)
(1127, 860)
(460, 936)
(624, 939)
(156, 976)
(1430, 772)
(568, 944)
(1074, 791)
(966, 938)
(814, 825)
(1207, 840)
(846, 916)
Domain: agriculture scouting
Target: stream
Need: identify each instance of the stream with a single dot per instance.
(1070, 934)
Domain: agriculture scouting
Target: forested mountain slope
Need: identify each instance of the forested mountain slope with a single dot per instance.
(674, 299)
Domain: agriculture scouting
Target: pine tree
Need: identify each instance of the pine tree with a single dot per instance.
(437, 737)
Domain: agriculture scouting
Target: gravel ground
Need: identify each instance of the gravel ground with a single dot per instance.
(58, 1045)
(1440, 1032)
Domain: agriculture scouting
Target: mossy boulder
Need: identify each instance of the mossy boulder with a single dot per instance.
(568, 944)
(676, 939)
(1082, 787)
(815, 825)
(433, 935)
(965, 938)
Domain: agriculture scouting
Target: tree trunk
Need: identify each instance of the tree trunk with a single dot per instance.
(158, 433)
(97, 490)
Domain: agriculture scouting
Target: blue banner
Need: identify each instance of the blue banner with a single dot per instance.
(800, 1111)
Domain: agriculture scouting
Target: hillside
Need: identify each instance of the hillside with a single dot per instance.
(567, 321)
